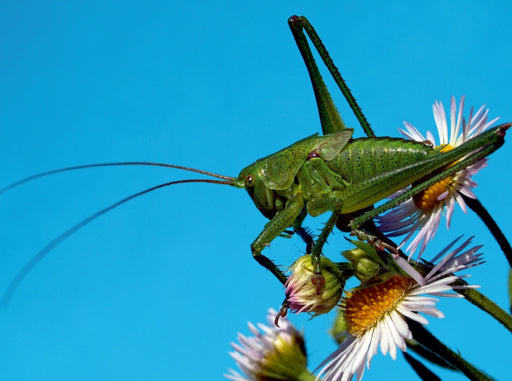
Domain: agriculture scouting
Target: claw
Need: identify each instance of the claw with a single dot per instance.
(375, 242)
(283, 311)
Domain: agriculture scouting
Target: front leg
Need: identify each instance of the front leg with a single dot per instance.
(282, 220)
(303, 232)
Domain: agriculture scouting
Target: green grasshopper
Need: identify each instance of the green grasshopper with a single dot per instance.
(330, 173)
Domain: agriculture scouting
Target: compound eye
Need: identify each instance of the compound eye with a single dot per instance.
(249, 181)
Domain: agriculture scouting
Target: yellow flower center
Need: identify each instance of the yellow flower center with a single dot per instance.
(365, 307)
(428, 198)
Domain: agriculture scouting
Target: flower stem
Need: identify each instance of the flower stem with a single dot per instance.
(484, 215)
(485, 304)
(420, 369)
(429, 341)
(427, 354)
(510, 289)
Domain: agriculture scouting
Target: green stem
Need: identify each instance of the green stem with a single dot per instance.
(432, 357)
(421, 370)
(493, 227)
(429, 341)
(485, 304)
(510, 289)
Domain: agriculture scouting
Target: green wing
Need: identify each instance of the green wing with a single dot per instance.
(278, 170)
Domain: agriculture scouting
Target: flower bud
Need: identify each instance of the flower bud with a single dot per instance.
(312, 287)
(338, 330)
(275, 353)
(364, 261)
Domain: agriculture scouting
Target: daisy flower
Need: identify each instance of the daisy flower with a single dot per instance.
(375, 315)
(423, 212)
(275, 353)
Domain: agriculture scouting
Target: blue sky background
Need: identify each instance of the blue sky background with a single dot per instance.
(158, 288)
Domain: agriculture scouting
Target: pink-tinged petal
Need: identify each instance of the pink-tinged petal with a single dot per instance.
(411, 132)
(389, 330)
(275, 353)
(419, 226)
(431, 138)
(440, 118)
(304, 293)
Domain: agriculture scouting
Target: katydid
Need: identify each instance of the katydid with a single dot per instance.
(330, 173)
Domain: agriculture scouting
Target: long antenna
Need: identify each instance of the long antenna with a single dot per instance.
(113, 164)
(25, 270)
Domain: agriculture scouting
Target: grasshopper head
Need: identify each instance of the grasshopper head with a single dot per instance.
(265, 199)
